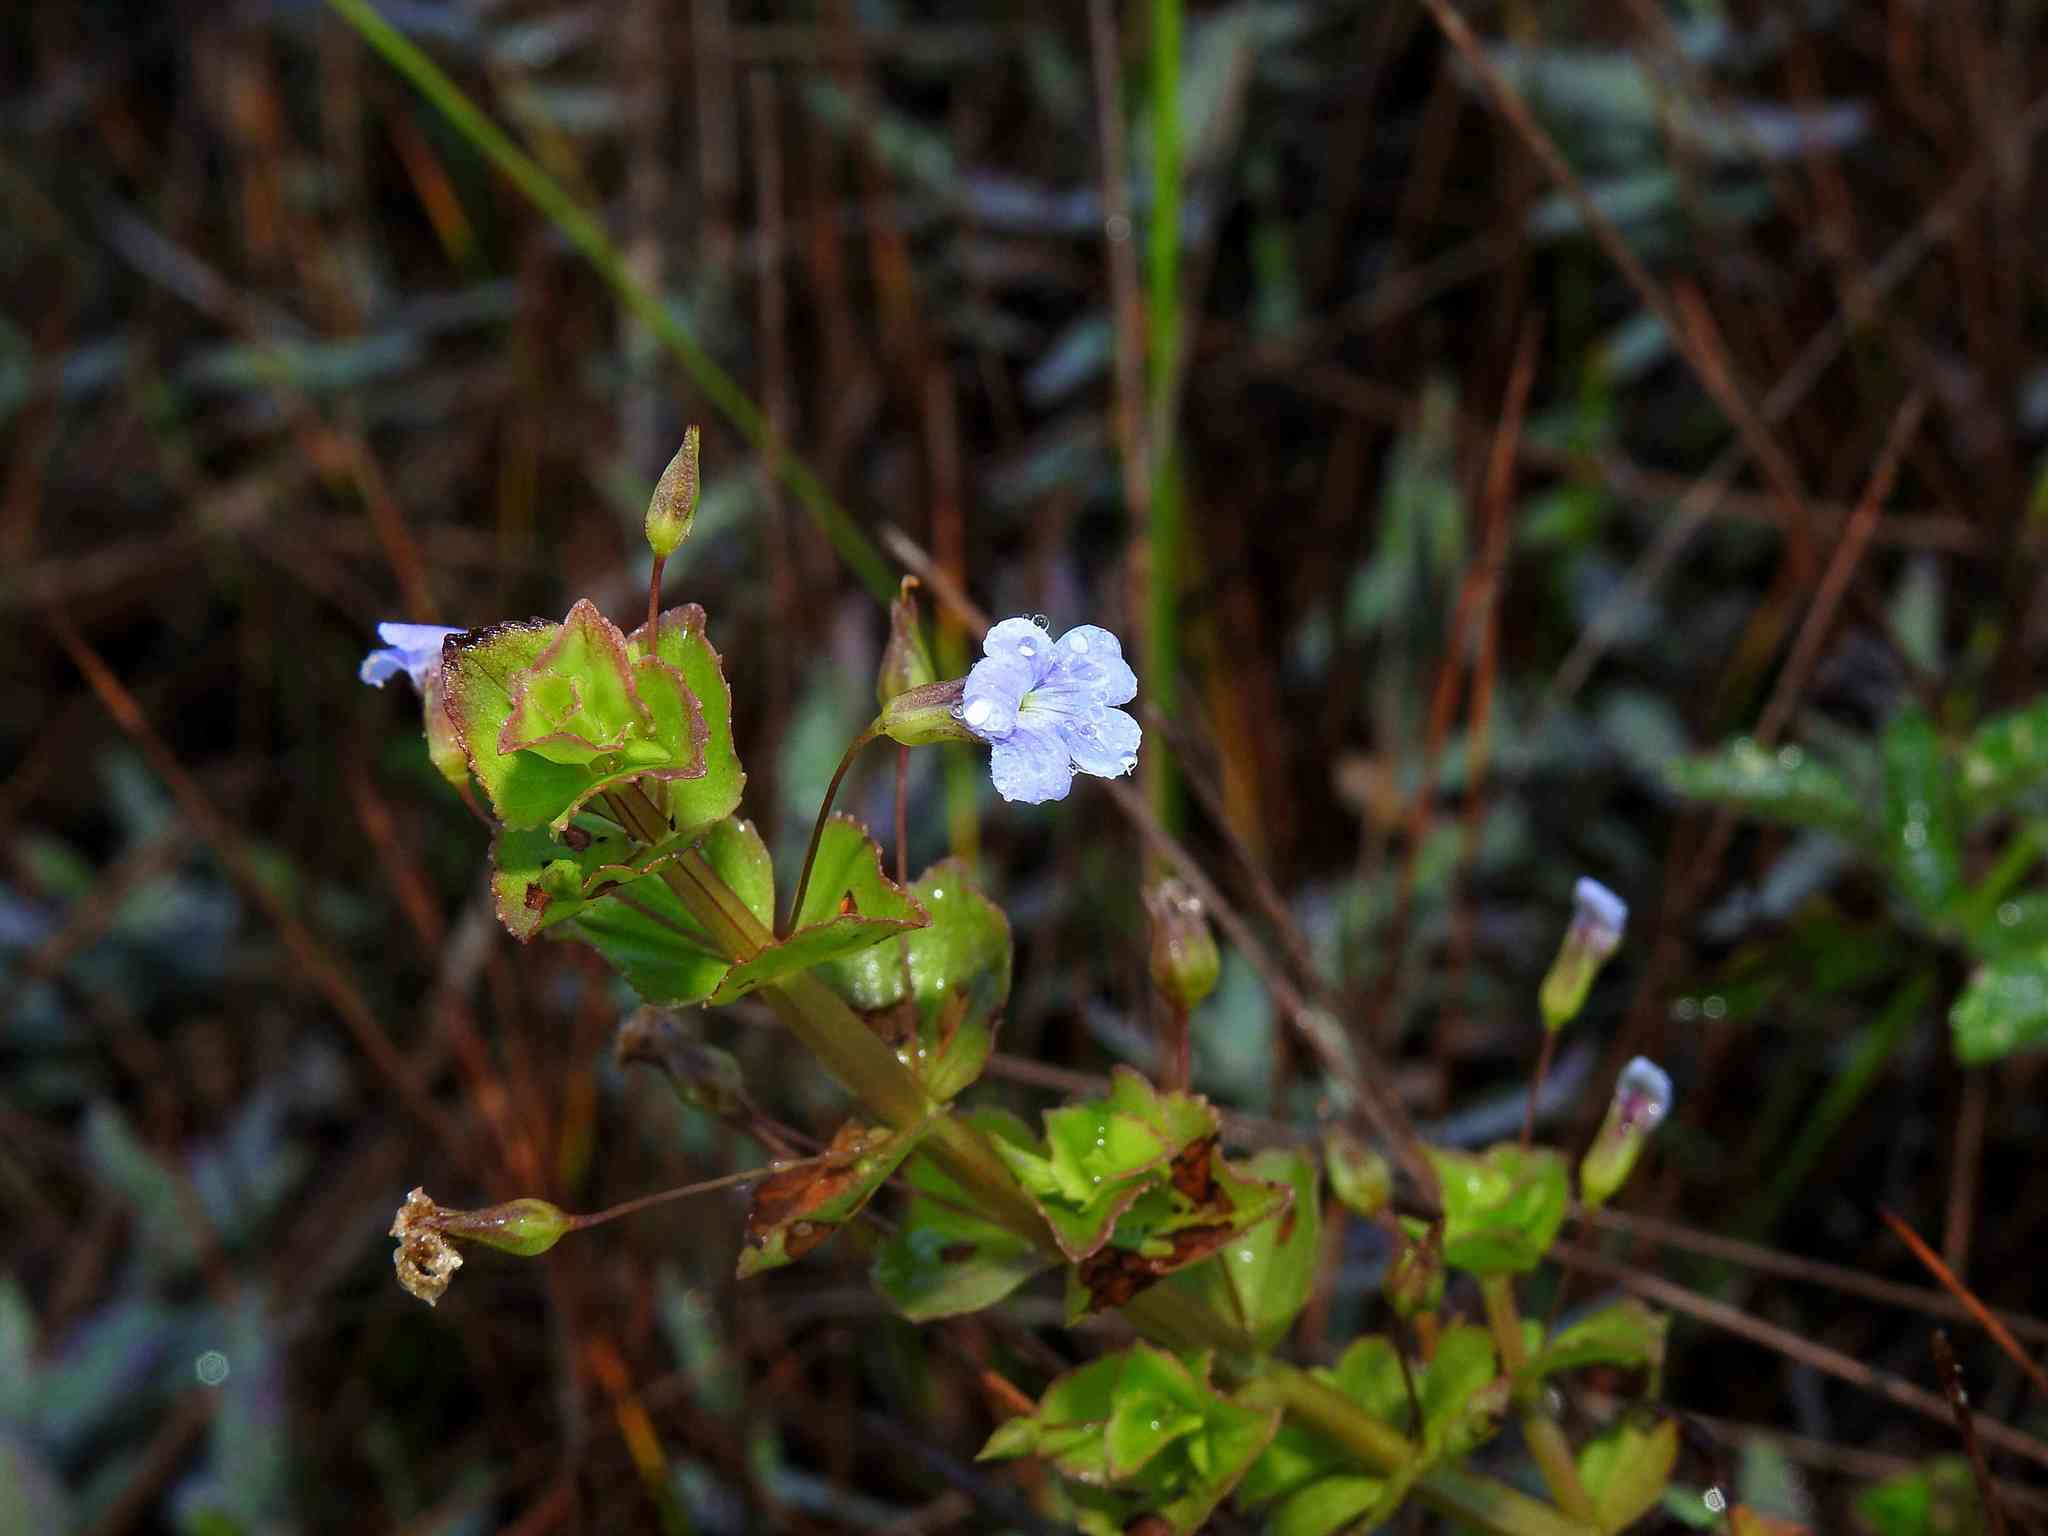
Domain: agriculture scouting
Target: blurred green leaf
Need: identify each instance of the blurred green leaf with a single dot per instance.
(2006, 757)
(1626, 1469)
(1922, 822)
(2003, 1009)
(1787, 785)
(1624, 1333)
(1502, 1208)
(1936, 1498)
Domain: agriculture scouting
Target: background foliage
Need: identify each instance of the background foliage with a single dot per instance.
(1498, 500)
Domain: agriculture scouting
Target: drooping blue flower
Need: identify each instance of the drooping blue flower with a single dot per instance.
(411, 649)
(1047, 707)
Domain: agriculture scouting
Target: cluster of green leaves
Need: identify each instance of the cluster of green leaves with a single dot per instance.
(1913, 807)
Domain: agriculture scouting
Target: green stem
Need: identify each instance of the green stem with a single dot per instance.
(1548, 1447)
(803, 879)
(649, 308)
(1165, 530)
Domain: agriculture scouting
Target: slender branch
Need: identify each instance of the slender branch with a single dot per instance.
(1548, 1447)
(803, 879)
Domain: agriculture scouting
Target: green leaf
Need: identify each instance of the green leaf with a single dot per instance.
(1263, 1279)
(1787, 785)
(1626, 1470)
(1922, 821)
(945, 1259)
(936, 992)
(1625, 1333)
(1334, 1504)
(2016, 927)
(538, 880)
(651, 939)
(692, 804)
(2003, 1009)
(1147, 1433)
(1502, 1208)
(1936, 1498)
(800, 1208)
(1463, 1394)
(550, 715)
(2005, 757)
(849, 905)
(1093, 1166)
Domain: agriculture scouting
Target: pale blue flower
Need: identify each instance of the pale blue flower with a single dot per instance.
(1047, 707)
(1598, 916)
(412, 649)
(1642, 1095)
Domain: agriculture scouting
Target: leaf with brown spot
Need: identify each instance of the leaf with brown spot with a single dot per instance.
(799, 1208)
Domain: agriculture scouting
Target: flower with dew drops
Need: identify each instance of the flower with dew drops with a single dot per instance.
(1047, 707)
(412, 649)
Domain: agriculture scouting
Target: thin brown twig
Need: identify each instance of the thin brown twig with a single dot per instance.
(1794, 1346)
(1966, 1425)
(1834, 581)
(1982, 1314)
(1791, 1266)
(1778, 469)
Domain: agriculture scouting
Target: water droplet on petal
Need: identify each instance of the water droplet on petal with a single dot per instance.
(1041, 621)
(977, 712)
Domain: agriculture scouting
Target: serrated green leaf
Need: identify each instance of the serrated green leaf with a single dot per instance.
(1922, 821)
(1092, 1166)
(849, 905)
(1502, 1208)
(550, 715)
(681, 641)
(800, 1208)
(937, 991)
(2003, 1009)
(944, 1259)
(1626, 1470)
(2006, 757)
(1787, 785)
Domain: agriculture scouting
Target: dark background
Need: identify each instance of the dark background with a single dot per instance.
(282, 355)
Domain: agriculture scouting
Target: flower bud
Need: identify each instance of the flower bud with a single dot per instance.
(1642, 1097)
(673, 506)
(1184, 955)
(1598, 918)
(426, 1260)
(906, 663)
(1414, 1283)
(1360, 1177)
(924, 715)
(703, 1076)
